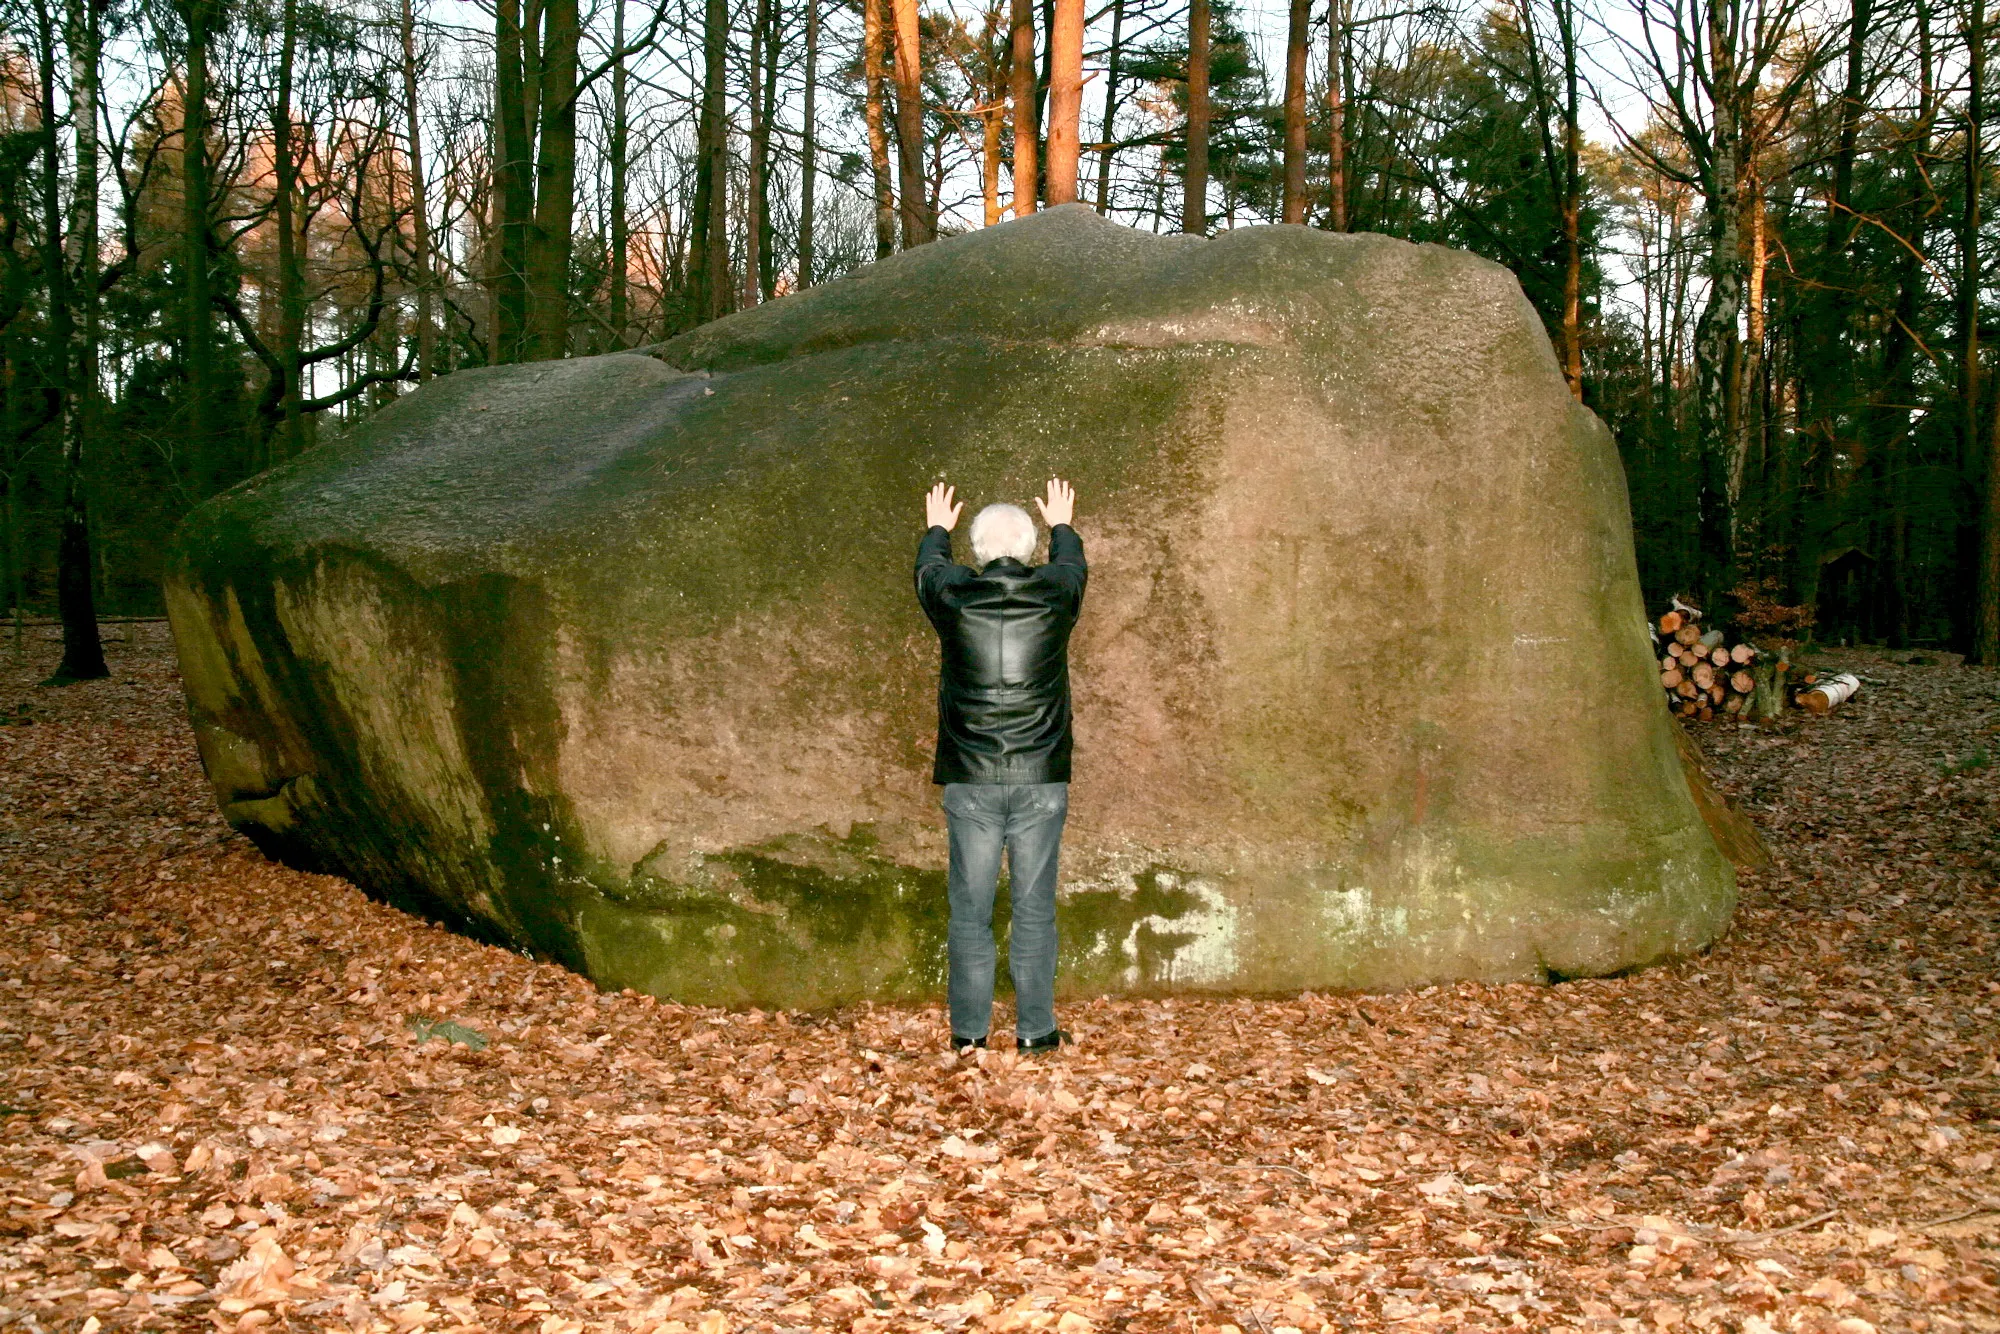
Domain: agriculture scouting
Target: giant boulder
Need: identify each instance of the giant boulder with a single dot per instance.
(616, 660)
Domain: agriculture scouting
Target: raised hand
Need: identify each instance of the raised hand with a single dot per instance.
(939, 512)
(1059, 505)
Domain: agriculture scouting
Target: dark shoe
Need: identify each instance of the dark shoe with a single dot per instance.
(1043, 1045)
(960, 1046)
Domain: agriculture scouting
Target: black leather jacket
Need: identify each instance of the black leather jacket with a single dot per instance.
(1003, 694)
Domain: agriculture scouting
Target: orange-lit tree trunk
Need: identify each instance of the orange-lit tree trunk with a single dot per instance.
(917, 227)
(1065, 99)
(1022, 76)
(874, 64)
(1295, 113)
(1194, 197)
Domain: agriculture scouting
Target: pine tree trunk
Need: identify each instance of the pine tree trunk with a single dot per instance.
(917, 228)
(420, 223)
(1194, 197)
(83, 650)
(1113, 59)
(1336, 116)
(1294, 203)
(1572, 203)
(1065, 100)
(809, 147)
(1021, 75)
(874, 60)
(990, 126)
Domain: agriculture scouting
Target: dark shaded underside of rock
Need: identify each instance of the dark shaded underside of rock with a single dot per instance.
(616, 659)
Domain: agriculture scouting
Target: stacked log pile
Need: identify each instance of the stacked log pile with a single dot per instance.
(1705, 676)
(1702, 673)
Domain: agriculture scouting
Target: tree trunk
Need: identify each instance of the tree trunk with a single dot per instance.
(1194, 198)
(754, 197)
(1986, 622)
(1749, 417)
(420, 222)
(555, 185)
(1972, 543)
(708, 259)
(1717, 345)
(1294, 204)
(620, 149)
(1065, 100)
(874, 60)
(83, 651)
(767, 235)
(1572, 203)
(1336, 115)
(1021, 74)
(513, 182)
(1113, 59)
(990, 126)
(291, 270)
(917, 227)
(197, 300)
(808, 147)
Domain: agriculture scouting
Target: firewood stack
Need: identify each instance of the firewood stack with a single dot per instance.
(1702, 673)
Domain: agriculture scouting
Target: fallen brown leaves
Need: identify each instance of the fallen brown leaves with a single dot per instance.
(236, 1095)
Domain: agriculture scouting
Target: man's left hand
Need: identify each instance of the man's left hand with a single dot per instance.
(939, 512)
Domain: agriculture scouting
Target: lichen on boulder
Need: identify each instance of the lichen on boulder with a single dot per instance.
(616, 659)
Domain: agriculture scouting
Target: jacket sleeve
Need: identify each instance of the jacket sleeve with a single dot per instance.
(934, 567)
(1066, 563)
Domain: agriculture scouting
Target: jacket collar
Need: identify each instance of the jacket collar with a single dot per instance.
(1003, 565)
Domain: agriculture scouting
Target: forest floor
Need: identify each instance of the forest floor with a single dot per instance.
(218, 1107)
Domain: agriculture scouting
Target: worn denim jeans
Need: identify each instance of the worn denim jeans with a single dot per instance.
(1027, 820)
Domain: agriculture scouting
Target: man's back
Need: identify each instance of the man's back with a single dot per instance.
(1003, 693)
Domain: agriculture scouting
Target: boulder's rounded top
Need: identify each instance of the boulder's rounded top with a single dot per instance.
(1064, 275)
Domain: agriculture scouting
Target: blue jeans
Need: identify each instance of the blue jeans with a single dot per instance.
(1027, 820)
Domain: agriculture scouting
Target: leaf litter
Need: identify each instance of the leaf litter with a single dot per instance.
(238, 1096)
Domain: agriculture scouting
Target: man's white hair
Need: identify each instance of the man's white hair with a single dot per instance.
(1002, 530)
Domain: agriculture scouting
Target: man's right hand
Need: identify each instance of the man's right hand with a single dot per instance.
(939, 512)
(1059, 506)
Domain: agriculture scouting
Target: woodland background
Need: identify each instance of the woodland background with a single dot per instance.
(1759, 231)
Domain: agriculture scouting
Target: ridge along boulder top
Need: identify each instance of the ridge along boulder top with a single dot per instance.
(616, 660)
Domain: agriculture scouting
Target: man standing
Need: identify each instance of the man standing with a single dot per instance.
(1003, 745)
